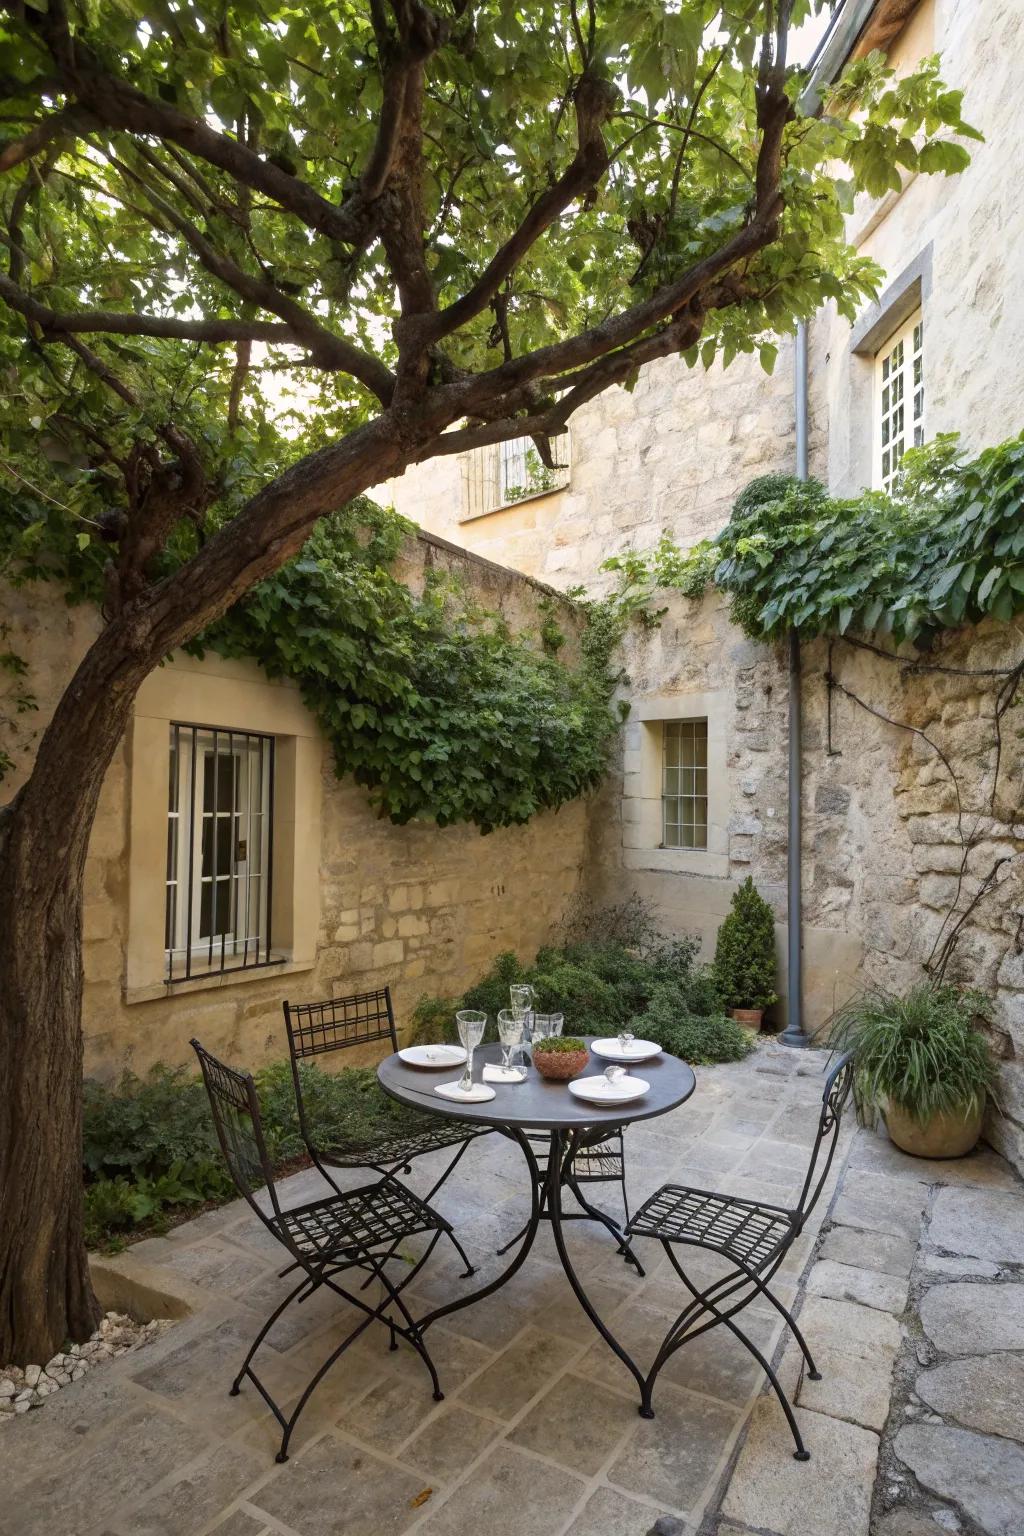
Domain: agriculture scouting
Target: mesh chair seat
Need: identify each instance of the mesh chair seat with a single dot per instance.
(381, 1213)
(748, 1233)
(400, 1146)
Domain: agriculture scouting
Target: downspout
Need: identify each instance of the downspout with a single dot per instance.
(794, 1032)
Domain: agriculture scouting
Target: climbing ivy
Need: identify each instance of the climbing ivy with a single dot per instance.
(947, 549)
(430, 702)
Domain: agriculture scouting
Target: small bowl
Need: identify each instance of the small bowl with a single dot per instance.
(559, 1066)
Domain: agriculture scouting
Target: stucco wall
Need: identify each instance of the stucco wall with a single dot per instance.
(421, 908)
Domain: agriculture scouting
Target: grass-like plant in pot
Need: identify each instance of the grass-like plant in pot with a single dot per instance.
(559, 1056)
(923, 1062)
(744, 968)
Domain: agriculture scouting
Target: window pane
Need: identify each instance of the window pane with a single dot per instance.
(218, 849)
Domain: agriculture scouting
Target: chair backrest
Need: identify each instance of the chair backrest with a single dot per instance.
(833, 1101)
(314, 1029)
(236, 1116)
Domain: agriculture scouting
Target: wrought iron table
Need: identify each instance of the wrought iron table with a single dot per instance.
(548, 1107)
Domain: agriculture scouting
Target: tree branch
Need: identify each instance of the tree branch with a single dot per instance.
(594, 100)
(119, 323)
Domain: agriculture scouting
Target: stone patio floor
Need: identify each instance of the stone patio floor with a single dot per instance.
(910, 1289)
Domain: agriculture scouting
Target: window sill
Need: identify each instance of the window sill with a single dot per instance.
(678, 861)
(510, 506)
(228, 978)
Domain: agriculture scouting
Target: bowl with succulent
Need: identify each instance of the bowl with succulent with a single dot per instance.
(559, 1056)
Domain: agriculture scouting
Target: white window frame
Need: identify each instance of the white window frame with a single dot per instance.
(188, 950)
(684, 784)
(898, 408)
(489, 474)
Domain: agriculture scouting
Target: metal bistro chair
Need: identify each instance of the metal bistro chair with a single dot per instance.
(324, 1238)
(755, 1237)
(593, 1161)
(315, 1029)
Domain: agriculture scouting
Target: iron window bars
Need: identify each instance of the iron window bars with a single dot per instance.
(323, 1239)
(684, 784)
(220, 812)
(314, 1029)
(753, 1236)
(506, 473)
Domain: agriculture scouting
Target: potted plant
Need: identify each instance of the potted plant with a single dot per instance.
(559, 1056)
(923, 1062)
(744, 966)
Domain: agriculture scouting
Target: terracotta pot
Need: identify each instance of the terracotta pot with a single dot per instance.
(950, 1134)
(750, 1018)
(560, 1065)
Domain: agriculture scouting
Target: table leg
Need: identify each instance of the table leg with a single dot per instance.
(558, 1142)
(529, 1234)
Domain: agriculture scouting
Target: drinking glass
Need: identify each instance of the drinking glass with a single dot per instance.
(545, 1024)
(522, 999)
(510, 1033)
(471, 1031)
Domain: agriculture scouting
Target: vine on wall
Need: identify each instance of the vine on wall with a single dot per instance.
(873, 572)
(430, 702)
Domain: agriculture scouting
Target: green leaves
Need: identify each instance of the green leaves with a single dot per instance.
(947, 550)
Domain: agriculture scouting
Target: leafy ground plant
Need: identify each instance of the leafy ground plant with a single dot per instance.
(603, 984)
(921, 1050)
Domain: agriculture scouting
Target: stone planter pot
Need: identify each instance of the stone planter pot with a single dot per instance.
(750, 1018)
(945, 1135)
(560, 1065)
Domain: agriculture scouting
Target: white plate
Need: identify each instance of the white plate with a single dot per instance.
(637, 1050)
(598, 1090)
(433, 1055)
(478, 1094)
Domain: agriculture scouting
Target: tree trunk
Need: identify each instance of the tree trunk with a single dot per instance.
(45, 1294)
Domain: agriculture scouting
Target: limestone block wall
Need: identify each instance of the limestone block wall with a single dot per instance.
(893, 851)
(671, 454)
(420, 908)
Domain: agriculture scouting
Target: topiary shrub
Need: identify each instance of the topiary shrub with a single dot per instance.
(744, 967)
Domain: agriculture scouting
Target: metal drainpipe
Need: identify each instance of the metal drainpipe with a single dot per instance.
(794, 1032)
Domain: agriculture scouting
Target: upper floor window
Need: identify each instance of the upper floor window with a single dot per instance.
(684, 784)
(505, 473)
(219, 850)
(899, 400)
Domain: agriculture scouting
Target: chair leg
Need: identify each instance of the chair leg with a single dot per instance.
(671, 1344)
(305, 1282)
(813, 1373)
(596, 1214)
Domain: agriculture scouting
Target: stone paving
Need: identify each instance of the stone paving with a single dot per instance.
(915, 1278)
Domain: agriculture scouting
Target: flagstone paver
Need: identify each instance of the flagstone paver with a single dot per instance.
(539, 1433)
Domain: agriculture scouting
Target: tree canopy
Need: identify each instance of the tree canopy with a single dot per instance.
(235, 234)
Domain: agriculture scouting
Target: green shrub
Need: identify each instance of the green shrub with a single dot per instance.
(346, 1109)
(744, 966)
(146, 1123)
(922, 1050)
(602, 983)
(697, 1038)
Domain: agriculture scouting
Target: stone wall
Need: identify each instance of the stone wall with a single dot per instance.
(421, 908)
(891, 857)
(671, 454)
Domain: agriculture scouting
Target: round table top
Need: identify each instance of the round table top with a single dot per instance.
(538, 1103)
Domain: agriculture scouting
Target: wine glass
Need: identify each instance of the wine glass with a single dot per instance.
(471, 1027)
(522, 999)
(546, 1024)
(510, 1033)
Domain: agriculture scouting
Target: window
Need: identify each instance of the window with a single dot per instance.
(505, 473)
(684, 784)
(899, 400)
(219, 851)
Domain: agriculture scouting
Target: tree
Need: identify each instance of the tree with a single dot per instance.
(259, 259)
